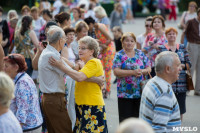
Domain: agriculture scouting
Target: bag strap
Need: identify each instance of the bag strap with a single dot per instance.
(184, 17)
(19, 78)
(187, 67)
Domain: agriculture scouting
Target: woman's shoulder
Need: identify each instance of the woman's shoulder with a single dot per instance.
(182, 46)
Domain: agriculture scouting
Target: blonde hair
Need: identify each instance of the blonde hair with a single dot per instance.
(80, 25)
(91, 43)
(100, 11)
(6, 89)
(134, 125)
(116, 5)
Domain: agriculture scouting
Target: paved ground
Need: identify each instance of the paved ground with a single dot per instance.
(190, 119)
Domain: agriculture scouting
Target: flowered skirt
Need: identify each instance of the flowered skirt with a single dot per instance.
(90, 119)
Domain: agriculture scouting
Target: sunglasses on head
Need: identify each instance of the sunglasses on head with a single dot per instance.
(148, 25)
(12, 57)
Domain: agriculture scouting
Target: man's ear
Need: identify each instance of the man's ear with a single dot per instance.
(167, 69)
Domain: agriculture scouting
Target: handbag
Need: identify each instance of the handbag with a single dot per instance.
(180, 26)
(144, 82)
(189, 82)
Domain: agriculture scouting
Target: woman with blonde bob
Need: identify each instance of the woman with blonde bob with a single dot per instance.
(101, 15)
(180, 86)
(8, 121)
(90, 106)
(130, 66)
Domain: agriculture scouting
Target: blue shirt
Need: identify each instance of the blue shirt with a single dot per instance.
(25, 105)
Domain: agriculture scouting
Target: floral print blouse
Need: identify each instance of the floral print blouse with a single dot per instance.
(129, 87)
(152, 52)
(25, 105)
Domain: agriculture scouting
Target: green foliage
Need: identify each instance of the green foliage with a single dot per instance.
(183, 4)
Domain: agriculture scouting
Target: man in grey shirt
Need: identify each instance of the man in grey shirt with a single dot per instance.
(52, 84)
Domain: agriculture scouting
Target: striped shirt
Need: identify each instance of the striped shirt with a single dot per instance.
(159, 106)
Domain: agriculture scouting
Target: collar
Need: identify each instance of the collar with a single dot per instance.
(162, 80)
(51, 48)
(167, 46)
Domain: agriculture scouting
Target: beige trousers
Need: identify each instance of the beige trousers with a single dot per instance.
(194, 56)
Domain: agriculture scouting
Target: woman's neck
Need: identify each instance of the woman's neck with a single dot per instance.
(85, 61)
(171, 44)
(159, 33)
(129, 51)
(48, 19)
(191, 12)
(3, 110)
(76, 18)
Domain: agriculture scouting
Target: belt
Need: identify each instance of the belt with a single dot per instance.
(55, 94)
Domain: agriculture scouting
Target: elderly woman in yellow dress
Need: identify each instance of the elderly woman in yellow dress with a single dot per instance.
(90, 106)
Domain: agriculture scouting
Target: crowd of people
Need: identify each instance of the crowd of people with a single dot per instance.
(67, 54)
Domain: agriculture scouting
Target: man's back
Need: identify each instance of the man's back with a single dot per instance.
(51, 79)
(159, 106)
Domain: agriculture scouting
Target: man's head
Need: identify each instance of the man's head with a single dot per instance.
(56, 37)
(168, 65)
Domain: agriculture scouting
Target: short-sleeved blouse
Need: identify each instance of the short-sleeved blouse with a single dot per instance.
(152, 52)
(129, 87)
(25, 105)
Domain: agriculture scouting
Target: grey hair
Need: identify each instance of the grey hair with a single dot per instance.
(6, 90)
(9, 12)
(100, 11)
(54, 34)
(134, 125)
(164, 59)
(91, 43)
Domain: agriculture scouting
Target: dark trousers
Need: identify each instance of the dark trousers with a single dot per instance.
(128, 108)
(55, 112)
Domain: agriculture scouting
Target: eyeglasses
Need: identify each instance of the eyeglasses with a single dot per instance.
(83, 48)
(192, 6)
(12, 57)
(148, 25)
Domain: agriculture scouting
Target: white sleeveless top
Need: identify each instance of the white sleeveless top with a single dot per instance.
(71, 55)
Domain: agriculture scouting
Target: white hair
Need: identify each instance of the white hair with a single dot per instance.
(54, 34)
(134, 125)
(164, 59)
(9, 12)
(6, 89)
(100, 11)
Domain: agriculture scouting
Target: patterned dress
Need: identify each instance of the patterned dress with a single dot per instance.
(25, 105)
(129, 87)
(106, 56)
